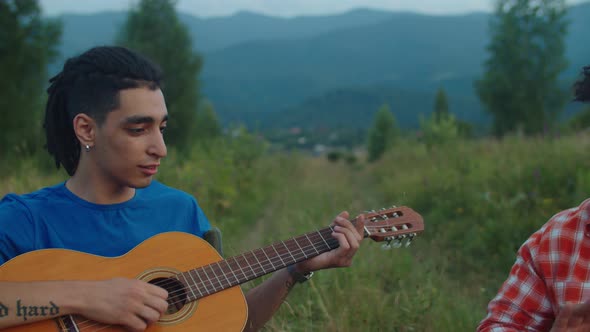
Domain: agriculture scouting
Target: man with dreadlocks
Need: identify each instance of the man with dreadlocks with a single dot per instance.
(104, 122)
(549, 285)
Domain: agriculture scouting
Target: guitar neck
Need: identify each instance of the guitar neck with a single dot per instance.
(215, 277)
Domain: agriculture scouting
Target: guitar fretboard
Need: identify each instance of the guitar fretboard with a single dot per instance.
(236, 270)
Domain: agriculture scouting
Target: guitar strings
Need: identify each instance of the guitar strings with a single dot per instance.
(315, 238)
(260, 256)
(255, 268)
(258, 253)
(263, 266)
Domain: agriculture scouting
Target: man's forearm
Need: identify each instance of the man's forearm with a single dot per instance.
(265, 299)
(27, 302)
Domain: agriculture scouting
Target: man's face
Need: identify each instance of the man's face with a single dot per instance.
(129, 144)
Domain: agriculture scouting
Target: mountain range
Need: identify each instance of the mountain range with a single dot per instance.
(334, 71)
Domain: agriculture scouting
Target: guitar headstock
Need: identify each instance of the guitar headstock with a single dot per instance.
(397, 226)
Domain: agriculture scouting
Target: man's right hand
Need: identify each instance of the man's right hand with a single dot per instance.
(573, 317)
(131, 303)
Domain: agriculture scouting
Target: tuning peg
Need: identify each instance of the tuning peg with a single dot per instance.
(387, 245)
(408, 241)
(384, 217)
(396, 243)
(393, 228)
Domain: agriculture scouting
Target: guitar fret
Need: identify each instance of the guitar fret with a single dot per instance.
(283, 253)
(223, 273)
(244, 275)
(279, 255)
(312, 244)
(289, 252)
(249, 265)
(190, 274)
(262, 267)
(232, 271)
(269, 260)
(187, 284)
(321, 236)
(209, 291)
(201, 281)
(297, 243)
(215, 275)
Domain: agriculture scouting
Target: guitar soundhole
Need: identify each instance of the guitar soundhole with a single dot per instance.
(176, 293)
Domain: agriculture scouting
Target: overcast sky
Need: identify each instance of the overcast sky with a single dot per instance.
(284, 8)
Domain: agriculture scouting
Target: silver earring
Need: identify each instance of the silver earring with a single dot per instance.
(87, 147)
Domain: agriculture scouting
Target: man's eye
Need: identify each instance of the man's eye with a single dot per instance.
(162, 129)
(136, 130)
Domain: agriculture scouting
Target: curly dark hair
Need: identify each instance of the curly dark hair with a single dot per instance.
(90, 84)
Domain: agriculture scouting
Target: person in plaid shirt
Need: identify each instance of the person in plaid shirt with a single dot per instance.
(548, 288)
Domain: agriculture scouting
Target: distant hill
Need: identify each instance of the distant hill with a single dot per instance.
(82, 31)
(407, 52)
(217, 33)
(355, 108)
(269, 71)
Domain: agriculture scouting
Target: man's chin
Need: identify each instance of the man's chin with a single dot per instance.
(141, 183)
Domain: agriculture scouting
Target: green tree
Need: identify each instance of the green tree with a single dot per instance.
(28, 44)
(520, 87)
(153, 29)
(383, 133)
(207, 124)
(441, 131)
(441, 105)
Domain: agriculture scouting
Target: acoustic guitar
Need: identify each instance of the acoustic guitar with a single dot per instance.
(205, 298)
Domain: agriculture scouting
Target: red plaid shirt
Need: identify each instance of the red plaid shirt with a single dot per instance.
(552, 268)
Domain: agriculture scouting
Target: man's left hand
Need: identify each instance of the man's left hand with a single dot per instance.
(349, 237)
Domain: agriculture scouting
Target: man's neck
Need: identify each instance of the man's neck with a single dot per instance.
(98, 191)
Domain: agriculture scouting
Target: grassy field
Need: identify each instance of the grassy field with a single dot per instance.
(480, 200)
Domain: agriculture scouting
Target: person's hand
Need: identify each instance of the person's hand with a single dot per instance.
(573, 317)
(349, 237)
(131, 303)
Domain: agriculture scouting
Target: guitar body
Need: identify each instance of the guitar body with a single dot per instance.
(161, 256)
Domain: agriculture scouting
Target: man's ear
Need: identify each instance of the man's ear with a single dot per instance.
(85, 129)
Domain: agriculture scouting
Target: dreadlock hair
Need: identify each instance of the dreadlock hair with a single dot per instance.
(90, 84)
(582, 87)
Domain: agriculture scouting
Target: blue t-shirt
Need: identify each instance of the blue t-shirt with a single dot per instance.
(54, 217)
